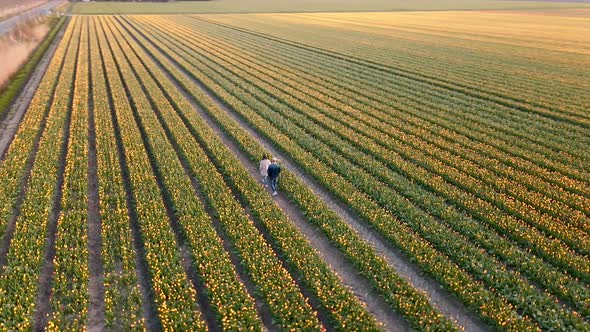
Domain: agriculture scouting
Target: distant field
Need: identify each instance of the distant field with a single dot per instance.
(436, 175)
(260, 6)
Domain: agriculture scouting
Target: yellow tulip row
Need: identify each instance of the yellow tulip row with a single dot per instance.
(508, 278)
(573, 217)
(378, 151)
(19, 153)
(20, 277)
(174, 297)
(399, 294)
(394, 204)
(122, 294)
(69, 298)
(378, 154)
(239, 228)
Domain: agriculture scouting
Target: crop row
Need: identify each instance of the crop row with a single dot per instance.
(235, 307)
(276, 139)
(69, 299)
(330, 158)
(20, 277)
(122, 294)
(407, 300)
(343, 309)
(448, 142)
(450, 47)
(174, 297)
(560, 284)
(382, 154)
(228, 296)
(469, 183)
(385, 83)
(470, 291)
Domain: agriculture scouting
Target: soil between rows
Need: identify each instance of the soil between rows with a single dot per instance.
(96, 291)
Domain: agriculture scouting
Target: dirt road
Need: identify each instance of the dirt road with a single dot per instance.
(9, 24)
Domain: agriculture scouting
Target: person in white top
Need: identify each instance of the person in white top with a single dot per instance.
(264, 163)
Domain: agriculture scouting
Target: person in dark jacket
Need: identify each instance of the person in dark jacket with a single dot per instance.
(273, 175)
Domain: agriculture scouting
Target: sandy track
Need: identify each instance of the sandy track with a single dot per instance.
(7, 25)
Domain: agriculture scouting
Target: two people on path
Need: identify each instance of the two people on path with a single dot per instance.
(270, 170)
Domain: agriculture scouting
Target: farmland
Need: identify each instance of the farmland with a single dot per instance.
(436, 174)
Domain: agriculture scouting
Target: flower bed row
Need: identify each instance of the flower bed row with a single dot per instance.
(461, 79)
(559, 283)
(122, 294)
(16, 158)
(484, 187)
(527, 187)
(395, 290)
(69, 298)
(235, 308)
(528, 234)
(396, 205)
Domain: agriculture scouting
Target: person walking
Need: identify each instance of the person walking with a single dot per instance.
(273, 174)
(264, 163)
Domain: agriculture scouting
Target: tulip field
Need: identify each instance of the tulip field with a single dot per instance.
(130, 197)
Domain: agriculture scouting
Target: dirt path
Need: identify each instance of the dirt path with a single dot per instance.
(9, 125)
(439, 297)
(7, 25)
(96, 291)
